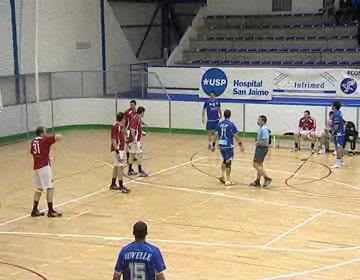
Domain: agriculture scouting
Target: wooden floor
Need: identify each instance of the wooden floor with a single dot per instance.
(308, 228)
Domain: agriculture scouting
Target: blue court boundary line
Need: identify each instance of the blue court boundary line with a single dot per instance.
(275, 100)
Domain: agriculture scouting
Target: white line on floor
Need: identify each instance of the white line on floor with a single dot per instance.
(294, 228)
(182, 242)
(313, 270)
(288, 173)
(101, 191)
(254, 200)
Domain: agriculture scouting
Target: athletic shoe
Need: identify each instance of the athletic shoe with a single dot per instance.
(221, 179)
(123, 189)
(321, 152)
(228, 183)
(132, 173)
(54, 214)
(114, 188)
(334, 153)
(313, 151)
(37, 213)
(267, 182)
(143, 174)
(255, 184)
(336, 166)
(213, 149)
(294, 150)
(144, 133)
(209, 147)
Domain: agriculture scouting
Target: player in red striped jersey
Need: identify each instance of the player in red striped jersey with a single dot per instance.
(135, 143)
(306, 129)
(40, 150)
(118, 143)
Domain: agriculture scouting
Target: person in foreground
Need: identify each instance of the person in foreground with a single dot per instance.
(40, 150)
(226, 131)
(140, 259)
(118, 143)
(338, 130)
(261, 150)
(212, 108)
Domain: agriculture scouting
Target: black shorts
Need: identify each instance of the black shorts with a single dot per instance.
(260, 153)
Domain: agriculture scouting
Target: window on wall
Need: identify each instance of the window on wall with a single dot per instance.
(281, 5)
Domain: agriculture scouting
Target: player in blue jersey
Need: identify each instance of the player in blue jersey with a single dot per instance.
(338, 130)
(212, 108)
(261, 150)
(226, 132)
(139, 259)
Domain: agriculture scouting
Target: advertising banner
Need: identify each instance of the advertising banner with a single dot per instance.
(263, 83)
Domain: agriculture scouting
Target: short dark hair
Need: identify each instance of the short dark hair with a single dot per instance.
(337, 105)
(140, 230)
(227, 114)
(119, 116)
(140, 110)
(133, 101)
(307, 111)
(331, 113)
(263, 118)
(40, 130)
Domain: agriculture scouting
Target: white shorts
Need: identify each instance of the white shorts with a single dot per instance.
(119, 159)
(136, 148)
(43, 178)
(307, 133)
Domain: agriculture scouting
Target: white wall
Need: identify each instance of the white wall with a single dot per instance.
(282, 118)
(140, 14)
(6, 45)
(61, 25)
(244, 7)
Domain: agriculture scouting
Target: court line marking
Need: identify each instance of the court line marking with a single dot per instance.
(294, 228)
(284, 172)
(197, 205)
(254, 200)
(77, 215)
(103, 190)
(183, 242)
(313, 270)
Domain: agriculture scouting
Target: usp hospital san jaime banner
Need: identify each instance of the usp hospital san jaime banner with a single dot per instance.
(235, 83)
(263, 83)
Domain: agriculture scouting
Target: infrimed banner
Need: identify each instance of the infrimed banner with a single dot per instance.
(263, 83)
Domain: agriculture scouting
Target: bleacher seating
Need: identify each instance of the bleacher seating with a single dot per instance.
(273, 40)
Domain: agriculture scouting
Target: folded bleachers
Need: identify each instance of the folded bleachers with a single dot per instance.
(282, 39)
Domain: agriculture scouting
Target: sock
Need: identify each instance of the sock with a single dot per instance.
(267, 178)
(113, 181)
(296, 146)
(121, 184)
(342, 160)
(323, 148)
(50, 206)
(130, 167)
(213, 144)
(35, 207)
(127, 157)
(257, 180)
(338, 162)
(140, 168)
(312, 146)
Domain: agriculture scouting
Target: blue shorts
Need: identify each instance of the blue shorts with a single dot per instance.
(227, 153)
(340, 141)
(212, 125)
